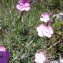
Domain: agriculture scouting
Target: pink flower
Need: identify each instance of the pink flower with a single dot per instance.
(44, 30)
(40, 57)
(2, 48)
(45, 17)
(48, 31)
(23, 5)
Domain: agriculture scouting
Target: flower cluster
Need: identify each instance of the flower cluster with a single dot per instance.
(42, 29)
(23, 5)
(40, 57)
(4, 55)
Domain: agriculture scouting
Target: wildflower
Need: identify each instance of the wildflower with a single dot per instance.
(23, 5)
(45, 17)
(4, 55)
(44, 30)
(40, 57)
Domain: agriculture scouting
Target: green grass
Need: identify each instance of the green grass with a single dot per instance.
(21, 38)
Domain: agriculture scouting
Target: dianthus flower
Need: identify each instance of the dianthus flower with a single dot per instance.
(44, 30)
(45, 17)
(23, 5)
(4, 55)
(40, 57)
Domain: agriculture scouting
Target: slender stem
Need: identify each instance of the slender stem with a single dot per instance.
(20, 18)
(21, 15)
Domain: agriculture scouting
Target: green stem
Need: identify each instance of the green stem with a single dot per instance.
(20, 18)
(21, 15)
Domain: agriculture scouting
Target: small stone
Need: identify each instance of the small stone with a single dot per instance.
(61, 59)
(59, 16)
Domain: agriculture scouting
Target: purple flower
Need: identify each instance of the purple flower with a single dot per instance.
(23, 5)
(4, 55)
